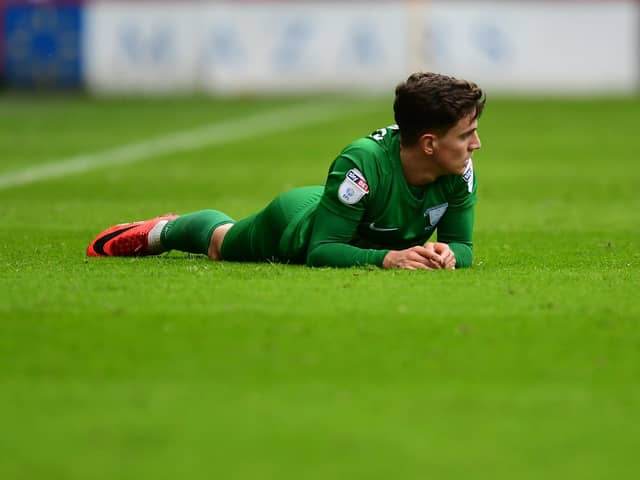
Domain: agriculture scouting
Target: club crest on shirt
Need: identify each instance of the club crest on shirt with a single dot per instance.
(434, 214)
(353, 187)
(467, 176)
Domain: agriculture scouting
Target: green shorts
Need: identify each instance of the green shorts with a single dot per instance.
(263, 236)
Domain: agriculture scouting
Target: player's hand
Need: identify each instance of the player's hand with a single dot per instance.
(414, 258)
(447, 259)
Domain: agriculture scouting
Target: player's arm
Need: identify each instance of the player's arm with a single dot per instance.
(456, 230)
(341, 209)
(338, 215)
(329, 247)
(456, 227)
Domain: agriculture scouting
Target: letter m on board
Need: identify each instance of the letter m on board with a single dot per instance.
(149, 47)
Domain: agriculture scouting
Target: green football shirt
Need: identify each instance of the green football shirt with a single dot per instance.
(367, 208)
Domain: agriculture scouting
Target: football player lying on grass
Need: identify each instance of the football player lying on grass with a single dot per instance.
(384, 197)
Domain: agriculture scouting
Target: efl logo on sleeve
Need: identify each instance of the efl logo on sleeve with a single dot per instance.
(353, 187)
(356, 177)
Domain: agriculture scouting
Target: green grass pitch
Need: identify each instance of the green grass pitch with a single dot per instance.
(526, 366)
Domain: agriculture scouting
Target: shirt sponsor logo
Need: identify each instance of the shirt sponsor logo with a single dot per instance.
(353, 187)
(434, 214)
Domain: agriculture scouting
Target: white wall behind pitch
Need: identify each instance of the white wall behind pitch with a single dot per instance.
(535, 46)
(141, 47)
(549, 47)
(288, 46)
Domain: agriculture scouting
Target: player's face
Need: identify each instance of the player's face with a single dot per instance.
(453, 150)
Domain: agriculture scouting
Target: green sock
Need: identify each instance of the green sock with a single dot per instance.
(192, 232)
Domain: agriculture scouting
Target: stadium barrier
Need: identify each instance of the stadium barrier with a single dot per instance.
(130, 46)
(41, 43)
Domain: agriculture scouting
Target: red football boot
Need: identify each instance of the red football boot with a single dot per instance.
(126, 239)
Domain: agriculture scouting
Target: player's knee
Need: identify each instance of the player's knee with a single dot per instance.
(215, 245)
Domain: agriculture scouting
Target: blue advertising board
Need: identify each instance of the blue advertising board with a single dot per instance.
(42, 44)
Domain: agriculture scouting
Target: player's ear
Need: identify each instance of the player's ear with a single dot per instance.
(428, 143)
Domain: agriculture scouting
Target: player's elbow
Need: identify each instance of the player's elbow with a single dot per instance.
(463, 253)
(325, 254)
(315, 257)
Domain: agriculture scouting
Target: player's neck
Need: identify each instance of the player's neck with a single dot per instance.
(417, 167)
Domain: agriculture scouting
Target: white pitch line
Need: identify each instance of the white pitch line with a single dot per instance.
(213, 134)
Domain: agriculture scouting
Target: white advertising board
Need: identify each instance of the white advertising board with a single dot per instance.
(141, 47)
(267, 46)
(568, 47)
(157, 47)
(288, 46)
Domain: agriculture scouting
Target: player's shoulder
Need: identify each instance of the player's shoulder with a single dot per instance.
(380, 141)
(376, 147)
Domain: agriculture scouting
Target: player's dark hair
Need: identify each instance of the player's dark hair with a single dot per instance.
(428, 102)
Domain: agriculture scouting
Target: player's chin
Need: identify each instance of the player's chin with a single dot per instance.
(459, 167)
(460, 170)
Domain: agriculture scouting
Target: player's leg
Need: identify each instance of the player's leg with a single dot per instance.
(215, 244)
(209, 232)
(188, 233)
(193, 232)
(257, 238)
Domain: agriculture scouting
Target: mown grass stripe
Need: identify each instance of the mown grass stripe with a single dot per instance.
(218, 133)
